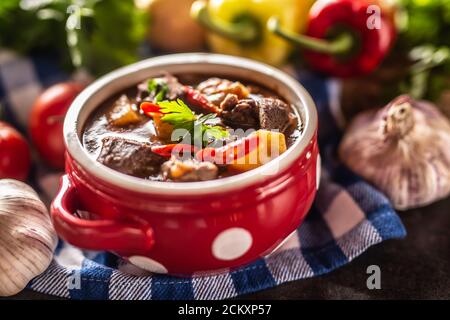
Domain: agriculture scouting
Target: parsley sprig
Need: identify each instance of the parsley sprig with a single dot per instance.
(199, 127)
(159, 88)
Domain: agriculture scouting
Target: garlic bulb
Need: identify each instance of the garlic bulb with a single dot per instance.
(27, 237)
(404, 150)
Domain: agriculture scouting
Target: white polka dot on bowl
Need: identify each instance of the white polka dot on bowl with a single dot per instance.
(318, 171)
(231, 244)
(147, 264)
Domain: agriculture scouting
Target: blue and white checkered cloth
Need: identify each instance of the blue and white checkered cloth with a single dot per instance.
(348, 215)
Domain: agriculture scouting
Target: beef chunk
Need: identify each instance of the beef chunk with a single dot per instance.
(263, 113)
(130, 157)
(188, 170)
(216, 89)
(274, 114)
(229, 103)
(175, 88)
(240, 113)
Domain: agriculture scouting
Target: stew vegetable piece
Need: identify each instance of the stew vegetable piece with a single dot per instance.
(164, 130)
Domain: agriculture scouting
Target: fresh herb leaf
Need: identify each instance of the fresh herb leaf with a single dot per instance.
(188, 129)
(209, 119)
(426, 59)
(178, 114)
(216, 132)
(424, 24)
(210, 128)
(109, 36)
(158, 88)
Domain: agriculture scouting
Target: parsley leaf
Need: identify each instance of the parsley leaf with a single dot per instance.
(178, 114)
(209, 119)
(159, 88)
(210, 128)
(216, 132)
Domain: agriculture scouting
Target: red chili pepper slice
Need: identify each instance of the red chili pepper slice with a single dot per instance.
(197, 99)
(230, 152)
(177, 149)
(148, 108)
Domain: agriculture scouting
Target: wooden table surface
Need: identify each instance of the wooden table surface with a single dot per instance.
(417, 267)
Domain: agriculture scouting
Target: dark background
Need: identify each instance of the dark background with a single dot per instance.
(417, 267)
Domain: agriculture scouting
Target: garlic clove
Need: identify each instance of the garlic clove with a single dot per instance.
(404, 150)
(27, 237)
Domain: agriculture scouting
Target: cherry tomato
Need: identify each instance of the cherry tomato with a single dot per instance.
(47, 118)
(15, 155)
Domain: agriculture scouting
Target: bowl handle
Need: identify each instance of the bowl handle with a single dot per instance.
(110, 235)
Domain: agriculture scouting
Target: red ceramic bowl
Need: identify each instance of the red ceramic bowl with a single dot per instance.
(194, 227)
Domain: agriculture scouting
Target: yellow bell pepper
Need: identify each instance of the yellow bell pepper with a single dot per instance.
(270, 145)
(238, 27)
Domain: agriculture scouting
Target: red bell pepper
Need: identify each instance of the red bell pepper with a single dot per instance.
(230, 152)
(193, 97)
(174, 149)
(197, 99)
(149, 107)
(340, 39)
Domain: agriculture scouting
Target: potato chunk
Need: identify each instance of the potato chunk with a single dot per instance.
(163, 129)
(189, 170)
(216, 89)
(123, 114)
(270, 145)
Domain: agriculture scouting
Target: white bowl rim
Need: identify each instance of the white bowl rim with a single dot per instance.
(242, 180)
